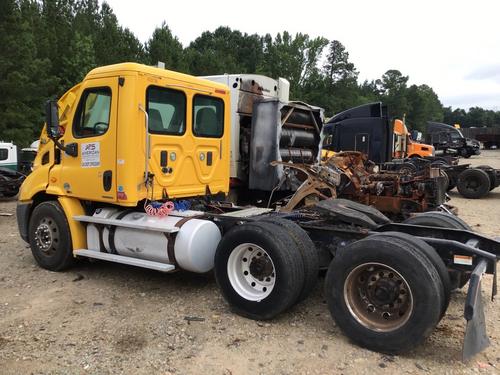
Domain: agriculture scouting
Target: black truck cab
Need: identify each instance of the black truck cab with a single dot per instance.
(450, 140)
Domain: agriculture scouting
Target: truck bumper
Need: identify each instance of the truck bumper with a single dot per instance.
(22, 214)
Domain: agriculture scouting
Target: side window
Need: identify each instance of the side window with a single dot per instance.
(166, 110)
(92, 116)
(4, 154)
(208, 115)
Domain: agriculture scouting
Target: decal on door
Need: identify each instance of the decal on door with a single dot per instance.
(91, 156)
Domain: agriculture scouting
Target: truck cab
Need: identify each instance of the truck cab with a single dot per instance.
(405, 146)
(450, 140)
(111, 155)
(8, 155)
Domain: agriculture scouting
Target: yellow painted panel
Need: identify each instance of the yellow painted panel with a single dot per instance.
(73, 207)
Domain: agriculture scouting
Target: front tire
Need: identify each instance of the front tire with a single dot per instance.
(50, 237)
(384, 295)
(259, 270)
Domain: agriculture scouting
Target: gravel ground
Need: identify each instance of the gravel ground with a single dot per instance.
(102, 318)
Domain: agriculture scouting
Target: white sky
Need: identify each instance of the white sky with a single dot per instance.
(453, 46)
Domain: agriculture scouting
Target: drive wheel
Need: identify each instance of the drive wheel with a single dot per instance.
(50, 237)
(433, 256)
(384, 295)
(458, 279)
(259, 270)
(493, 178)
(307, 250)
(473, 183)
(438, 219)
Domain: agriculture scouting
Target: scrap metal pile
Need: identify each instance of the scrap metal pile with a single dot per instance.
(352, 176)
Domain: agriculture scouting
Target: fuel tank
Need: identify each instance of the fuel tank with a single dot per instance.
(189, 244)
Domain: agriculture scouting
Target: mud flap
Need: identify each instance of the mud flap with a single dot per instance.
(475, 339)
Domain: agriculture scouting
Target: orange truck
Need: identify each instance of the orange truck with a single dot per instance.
(405, 146)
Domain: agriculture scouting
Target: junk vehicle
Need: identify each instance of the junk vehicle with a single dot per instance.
(405, 146)
(10, 182)
(257, 103)
(395, 193)
(266, 127)
(489, 137)
(12, 158)
(367, 129)
(134, 165)
(14, 166)
(450, 140)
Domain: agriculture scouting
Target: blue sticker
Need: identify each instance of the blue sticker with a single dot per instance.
(120, 188)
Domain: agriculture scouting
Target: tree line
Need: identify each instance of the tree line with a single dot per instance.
(47, 46)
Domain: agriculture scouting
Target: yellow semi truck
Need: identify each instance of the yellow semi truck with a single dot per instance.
(134, 167)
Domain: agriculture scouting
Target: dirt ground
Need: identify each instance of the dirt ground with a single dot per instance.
(103, 318)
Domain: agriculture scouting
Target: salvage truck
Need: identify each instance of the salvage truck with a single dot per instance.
(134, 167)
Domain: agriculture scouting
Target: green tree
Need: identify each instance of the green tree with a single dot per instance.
(224, 51)
(79, 60)
(113, 44)
(424, 105)
(294, 58)
(393, 89)
(24, 77)
(165, 47)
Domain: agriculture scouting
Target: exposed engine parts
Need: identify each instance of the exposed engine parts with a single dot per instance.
(352, 176)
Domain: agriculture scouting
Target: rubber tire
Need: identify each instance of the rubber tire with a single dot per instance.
(433, 256)
(481, 176)
(418, 271)
(63, 257)
(438, 219)
(287, 261)
(493, 179)
(458, 279)
(308, 251)
(447, 180)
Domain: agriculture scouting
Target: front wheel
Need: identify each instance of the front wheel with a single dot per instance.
(384, 295)
(50, 237)
(259, 270)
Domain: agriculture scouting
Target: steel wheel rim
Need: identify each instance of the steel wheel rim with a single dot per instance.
(47, 236)
(473, 184)
(251, 272)
(378, 297)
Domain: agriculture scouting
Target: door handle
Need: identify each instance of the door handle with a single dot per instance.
(107, 180)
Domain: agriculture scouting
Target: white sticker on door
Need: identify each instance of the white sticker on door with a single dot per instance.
(91, 156)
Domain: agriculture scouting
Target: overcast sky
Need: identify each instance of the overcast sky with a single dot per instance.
(453, 46)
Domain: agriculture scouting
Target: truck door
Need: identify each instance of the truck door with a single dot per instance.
(92, 173)
(362, 142)
(186, 135)
(208, 130)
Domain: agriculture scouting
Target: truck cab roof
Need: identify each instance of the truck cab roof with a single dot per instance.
(131, 68)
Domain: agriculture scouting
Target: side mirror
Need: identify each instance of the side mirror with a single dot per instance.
(52, 118)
